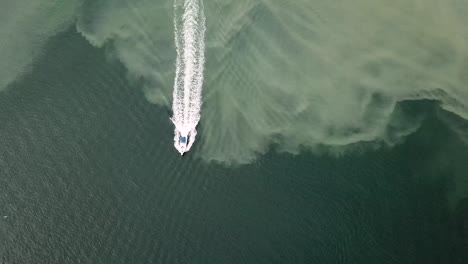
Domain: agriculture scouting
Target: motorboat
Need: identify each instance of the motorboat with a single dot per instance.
(184, 136)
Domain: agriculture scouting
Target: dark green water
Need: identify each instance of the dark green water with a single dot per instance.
(88, 174)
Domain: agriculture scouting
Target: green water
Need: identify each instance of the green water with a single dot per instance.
(285, 169)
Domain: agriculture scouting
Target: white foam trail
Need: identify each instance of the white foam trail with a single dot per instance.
(189, 24)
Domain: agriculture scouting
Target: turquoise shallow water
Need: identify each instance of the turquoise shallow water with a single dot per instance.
(88, 172)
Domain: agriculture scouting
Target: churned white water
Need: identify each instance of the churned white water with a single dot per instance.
(189, 34)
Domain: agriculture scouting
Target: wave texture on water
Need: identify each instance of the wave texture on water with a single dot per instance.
(25, 27)
(323, 76)
(301, 74)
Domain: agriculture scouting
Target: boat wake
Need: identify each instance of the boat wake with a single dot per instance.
(189, 24)
(286, 74)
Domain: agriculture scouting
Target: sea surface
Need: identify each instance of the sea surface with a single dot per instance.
(330, 132)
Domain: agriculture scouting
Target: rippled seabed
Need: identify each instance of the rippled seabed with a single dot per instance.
(80, 150)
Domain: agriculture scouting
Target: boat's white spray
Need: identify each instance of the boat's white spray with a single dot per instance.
(189, 24)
